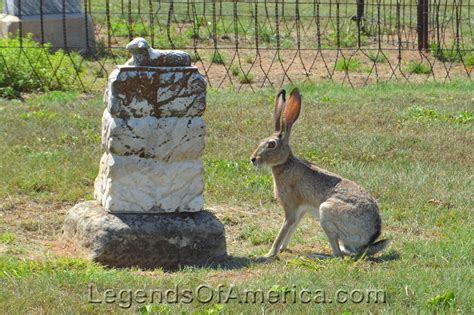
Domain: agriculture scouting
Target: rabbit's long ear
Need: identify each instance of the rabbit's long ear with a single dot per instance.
(279, 107)
(292, 109)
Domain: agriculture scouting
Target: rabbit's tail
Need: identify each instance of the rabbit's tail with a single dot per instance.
(376, 247)
(367, 250)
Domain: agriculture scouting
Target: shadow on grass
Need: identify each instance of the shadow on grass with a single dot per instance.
(238, 262)
(222, 263)
(234, 262)
(392, 255)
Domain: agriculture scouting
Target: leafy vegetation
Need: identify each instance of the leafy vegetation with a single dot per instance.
(235, 70)
(427, 114)
(446, 299)
(7, 238)
(377, 57)
(469, 60)
(217, 58)
(418, 67)
(246, 78)
(348, 64)
(453, 54)
(36, 68)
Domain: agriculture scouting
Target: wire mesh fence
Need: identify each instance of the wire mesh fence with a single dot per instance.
(239, 44)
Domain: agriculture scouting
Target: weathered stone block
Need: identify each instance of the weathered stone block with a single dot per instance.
(166, 139)
(32, 7)
(134, 184)
(158, 92)
(79, 36)
(146, 241)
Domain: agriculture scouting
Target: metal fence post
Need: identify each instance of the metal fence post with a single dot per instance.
(422, 24)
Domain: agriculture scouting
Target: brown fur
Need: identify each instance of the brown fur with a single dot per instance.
(349, 215)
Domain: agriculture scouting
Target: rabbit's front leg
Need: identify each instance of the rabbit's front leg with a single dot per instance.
(291, 221)
(285, 228)
(300, 212)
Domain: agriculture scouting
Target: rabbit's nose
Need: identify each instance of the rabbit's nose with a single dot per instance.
(253, 160)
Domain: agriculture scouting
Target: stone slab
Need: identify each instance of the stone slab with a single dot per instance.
(76, 30)
(32, 7)
(146, 241)
(159, 92)
(168, 139)
(134, 184)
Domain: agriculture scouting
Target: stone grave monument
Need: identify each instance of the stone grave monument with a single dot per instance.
(48, 20)
(149, 202)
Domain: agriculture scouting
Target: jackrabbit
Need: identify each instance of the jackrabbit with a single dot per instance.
(349, 215)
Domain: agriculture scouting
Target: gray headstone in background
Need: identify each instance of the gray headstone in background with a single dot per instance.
(32, 7)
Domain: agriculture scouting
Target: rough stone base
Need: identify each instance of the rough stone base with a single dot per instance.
(53, 30)
(146, 241)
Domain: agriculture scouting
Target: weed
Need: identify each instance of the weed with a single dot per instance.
(417, 67)
(266, 34)
(418, 112)
(235, 70)
(36, 68)
(446, 299)
(377, 57)
(195, 56)
(7, 238)
(152, 309)
(453, 54)
(463, 117)
(246, 78)
(469, 59)
(347, 37)
(214, 309)
(307, 263)
(428, 114)
(351, 64)
(217, 58)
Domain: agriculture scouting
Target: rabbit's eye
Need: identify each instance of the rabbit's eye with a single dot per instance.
(271, 144)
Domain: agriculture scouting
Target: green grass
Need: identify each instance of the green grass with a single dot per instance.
(195, 57)
(377, 57)
(469, 59)
(235, 70)
(348, 64)
(410, 145)
(428, 114)
(7, 238)
(249, 59)
(417, 67)
(217, 58)
(246, 78)
(453, 54)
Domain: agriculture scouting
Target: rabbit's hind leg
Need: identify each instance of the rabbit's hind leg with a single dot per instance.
(326, 218)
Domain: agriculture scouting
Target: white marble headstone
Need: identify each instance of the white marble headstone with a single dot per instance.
(153, 135)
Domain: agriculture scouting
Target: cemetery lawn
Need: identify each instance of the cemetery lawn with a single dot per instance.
(412, 146)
